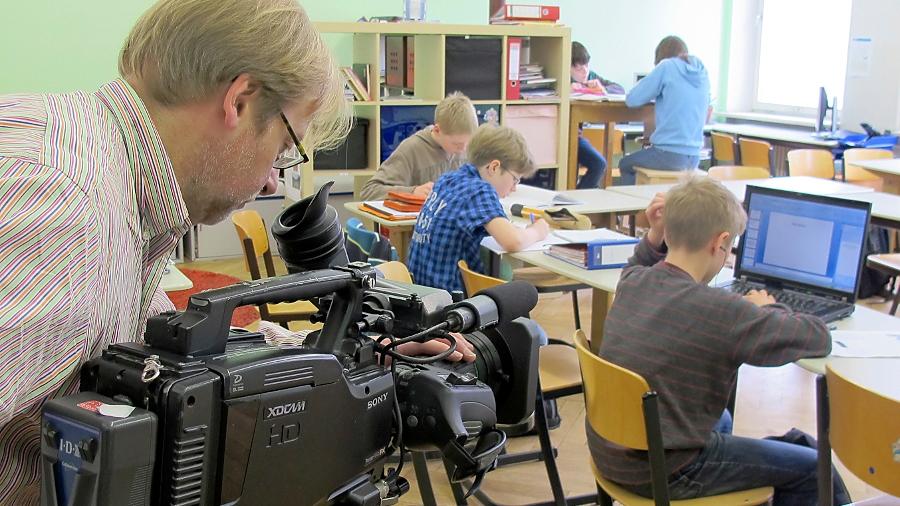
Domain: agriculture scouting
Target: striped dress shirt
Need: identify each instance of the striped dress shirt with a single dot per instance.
(688, 340)
(89, 212)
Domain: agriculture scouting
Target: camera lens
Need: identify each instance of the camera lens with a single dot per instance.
(309, 234)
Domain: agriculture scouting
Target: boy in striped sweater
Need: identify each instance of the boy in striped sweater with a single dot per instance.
(688, 340)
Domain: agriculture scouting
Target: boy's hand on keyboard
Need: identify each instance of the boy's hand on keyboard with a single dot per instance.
(759, 297)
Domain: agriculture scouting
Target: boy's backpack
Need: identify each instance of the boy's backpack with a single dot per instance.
(872, 282)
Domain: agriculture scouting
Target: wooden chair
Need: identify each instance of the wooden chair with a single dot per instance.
(811, 162)
(543, 280)
(653, 176)
(736, 172)
(558, 377)
(757, 153)
(395, 271)
(252, 232)
(857, 175)
(724, 149)
(597, 138)
(622, 408)
(862, 428)
(888, 263)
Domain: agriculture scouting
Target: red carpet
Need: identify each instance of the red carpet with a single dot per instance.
(205, 280)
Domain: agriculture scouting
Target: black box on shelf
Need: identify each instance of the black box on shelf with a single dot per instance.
(352, 154)
(543, 178)
(473, 67)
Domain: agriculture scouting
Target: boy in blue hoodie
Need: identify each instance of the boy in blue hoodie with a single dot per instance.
(680, 86)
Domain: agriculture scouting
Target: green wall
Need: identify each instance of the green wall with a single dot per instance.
(65, 45)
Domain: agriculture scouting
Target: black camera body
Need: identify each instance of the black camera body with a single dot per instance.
(221, 417)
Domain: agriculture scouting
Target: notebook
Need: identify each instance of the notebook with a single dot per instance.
(805, 250)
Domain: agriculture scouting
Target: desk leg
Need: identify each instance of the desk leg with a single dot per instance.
(600, 302)
(401, 237)
(572, 167)
(607, 152)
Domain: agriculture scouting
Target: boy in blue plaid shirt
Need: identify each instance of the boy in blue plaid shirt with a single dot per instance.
(464, 207)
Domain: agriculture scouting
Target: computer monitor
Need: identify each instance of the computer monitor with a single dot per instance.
(811, 241)
(822, 109)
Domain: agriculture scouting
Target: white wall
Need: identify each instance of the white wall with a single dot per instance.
(875, 98)
(622, 35)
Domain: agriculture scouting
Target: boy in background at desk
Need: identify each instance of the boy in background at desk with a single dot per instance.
(688, 340)
(424, 156)
(680, 86)
(585, 79)
(465, 207)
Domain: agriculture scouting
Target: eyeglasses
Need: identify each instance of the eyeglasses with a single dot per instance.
(292, 156)
(516, 179)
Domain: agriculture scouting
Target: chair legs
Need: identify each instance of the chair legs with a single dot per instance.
(575, 309)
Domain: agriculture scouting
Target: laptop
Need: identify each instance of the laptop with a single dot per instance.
(805, 250)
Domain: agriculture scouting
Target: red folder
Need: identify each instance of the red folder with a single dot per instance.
(530, 12)
(513, 52)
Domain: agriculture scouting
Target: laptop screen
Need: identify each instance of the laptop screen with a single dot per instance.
(804, 239)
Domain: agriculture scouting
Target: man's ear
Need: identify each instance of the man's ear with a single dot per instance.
(436, 128)
(241, 97)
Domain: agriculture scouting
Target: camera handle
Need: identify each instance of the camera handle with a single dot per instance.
(462, 464)
(202, 329)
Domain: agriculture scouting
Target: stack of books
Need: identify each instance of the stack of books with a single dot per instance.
(533, 84)
(593, 249)
(404, 202)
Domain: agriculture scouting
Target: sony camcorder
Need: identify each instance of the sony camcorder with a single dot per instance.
(204, 414)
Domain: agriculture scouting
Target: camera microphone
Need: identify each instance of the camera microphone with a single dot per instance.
(499, 304)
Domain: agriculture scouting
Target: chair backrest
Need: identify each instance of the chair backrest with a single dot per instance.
(395, 271)
(723, 148)
(612, 398)
(864, 432)
(811, 162)
(735, 172)
(251, 231)
(358, 233)
(475, 282)
(756, 153)
(250, 225)
(854, 172)
(597, 138)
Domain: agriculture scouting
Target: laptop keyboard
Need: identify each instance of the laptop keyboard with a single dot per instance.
(798, 302)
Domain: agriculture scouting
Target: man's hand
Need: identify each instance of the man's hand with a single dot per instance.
(759, 297)
(464, 349)
(541, 228)
(655, 215)
(424, 189)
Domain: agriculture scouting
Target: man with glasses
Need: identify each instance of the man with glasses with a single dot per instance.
(96, 189)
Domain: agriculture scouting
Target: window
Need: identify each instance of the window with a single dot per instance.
(802, 46)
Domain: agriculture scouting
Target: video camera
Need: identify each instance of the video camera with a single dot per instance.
(204, 414)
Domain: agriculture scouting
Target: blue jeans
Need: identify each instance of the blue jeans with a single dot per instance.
(657, 159)
(589, 157)
(728, 463)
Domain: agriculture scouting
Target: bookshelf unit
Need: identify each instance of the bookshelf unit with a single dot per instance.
(362, 43)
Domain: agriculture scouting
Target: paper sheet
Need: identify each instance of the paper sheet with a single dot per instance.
(492, 244)
(865, 344)
(579, 236)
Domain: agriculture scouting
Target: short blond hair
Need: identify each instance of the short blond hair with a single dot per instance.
(184, 50)
(699, 208)
(492, 142)
(455, 114)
